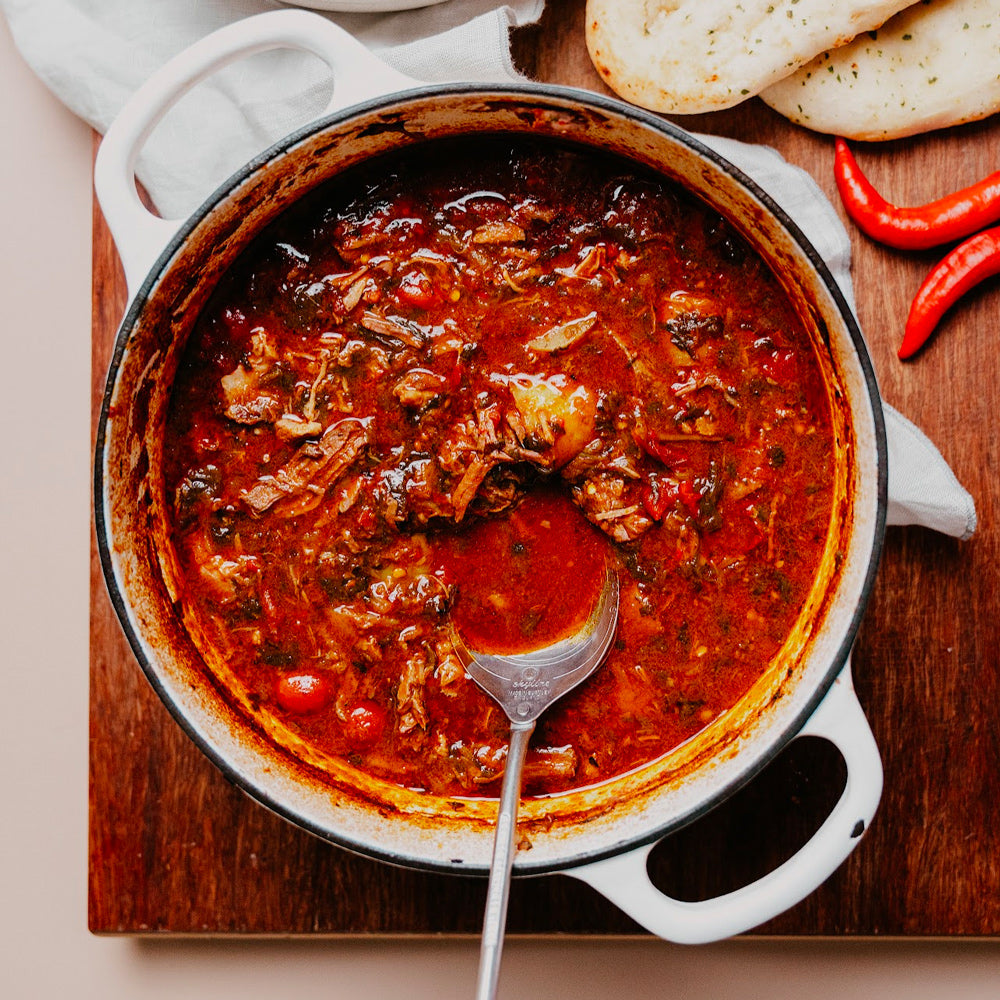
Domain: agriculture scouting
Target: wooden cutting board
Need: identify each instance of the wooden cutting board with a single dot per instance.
(173, 847)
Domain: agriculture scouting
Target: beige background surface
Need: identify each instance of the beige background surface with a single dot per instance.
(45, 948)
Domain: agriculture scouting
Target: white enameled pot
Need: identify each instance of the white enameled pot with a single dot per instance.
(601, 835)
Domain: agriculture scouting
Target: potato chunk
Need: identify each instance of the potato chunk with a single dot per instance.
(558, 414)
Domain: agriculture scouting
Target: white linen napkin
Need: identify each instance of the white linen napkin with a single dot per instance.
(93, 54)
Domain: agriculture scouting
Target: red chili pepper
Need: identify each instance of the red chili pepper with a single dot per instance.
(922, 226)
(968, 264)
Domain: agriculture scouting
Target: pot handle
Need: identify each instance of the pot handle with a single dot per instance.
(624, 879)
(139, 235)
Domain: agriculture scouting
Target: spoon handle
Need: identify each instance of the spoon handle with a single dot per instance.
(504, 845)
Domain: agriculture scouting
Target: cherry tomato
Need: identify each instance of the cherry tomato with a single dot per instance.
(418, 290)
(365, 723)
(302, 692)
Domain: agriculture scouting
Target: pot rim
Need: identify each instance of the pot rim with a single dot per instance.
(562, 95)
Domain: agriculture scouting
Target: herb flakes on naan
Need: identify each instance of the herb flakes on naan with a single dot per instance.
(934, 65)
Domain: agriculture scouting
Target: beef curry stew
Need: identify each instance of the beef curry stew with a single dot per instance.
(440, 392)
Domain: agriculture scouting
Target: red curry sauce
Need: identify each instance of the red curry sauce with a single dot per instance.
(444, 391)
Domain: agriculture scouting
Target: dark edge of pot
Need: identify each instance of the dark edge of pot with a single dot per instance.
(533, 91)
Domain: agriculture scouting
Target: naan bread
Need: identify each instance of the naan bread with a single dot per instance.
(688, 56)
(935, 64)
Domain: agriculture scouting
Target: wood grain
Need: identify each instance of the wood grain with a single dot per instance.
(173, 847)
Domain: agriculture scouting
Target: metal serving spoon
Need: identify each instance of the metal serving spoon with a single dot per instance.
(525, 685)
